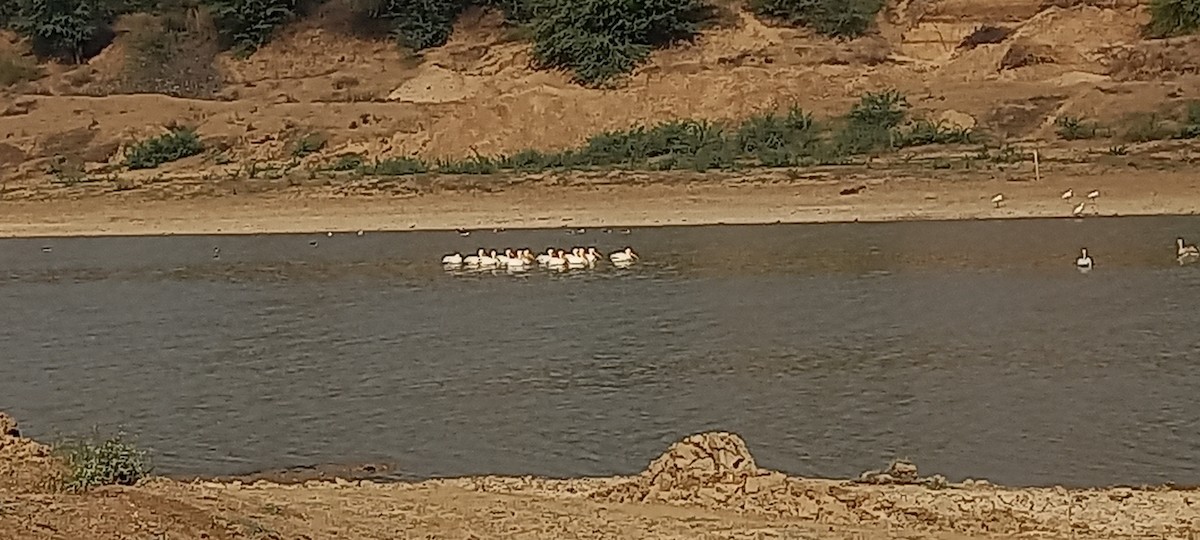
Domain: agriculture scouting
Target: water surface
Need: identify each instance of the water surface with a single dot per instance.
(973, 348)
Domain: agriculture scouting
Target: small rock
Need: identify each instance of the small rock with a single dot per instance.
(8, 426)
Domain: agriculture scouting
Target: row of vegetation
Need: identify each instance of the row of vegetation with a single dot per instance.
(1140, 127)
(878, 122)
(597, 40)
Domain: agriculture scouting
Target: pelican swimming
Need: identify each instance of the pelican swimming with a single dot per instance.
(506, 257)
(998, 199)
(1084, 260)
(453, 259)
(474, 260)
(490, 259)
(624, 256)
(591, 255)
(1186, 253)
(544, 258)
(556, 260)
(575, 258)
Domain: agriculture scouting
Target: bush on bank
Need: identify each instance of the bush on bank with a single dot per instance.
(94, 462)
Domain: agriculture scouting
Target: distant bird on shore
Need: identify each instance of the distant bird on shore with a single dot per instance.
(1078, 210)
(329, 234)
(1084, 260)
(998, 199)
(1066, 196)
(1093, 195)
(360, 233)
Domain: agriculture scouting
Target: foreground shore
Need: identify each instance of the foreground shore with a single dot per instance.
(597, 200)
(706, 486)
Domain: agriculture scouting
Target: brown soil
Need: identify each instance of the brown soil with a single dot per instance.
(706, 486)
(63, 134)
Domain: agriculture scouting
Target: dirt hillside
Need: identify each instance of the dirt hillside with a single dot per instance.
(479, 94)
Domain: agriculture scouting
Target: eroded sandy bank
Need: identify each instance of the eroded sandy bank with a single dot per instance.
(607, 199)
(706, 486)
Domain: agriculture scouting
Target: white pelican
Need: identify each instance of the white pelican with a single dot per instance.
(489, 260)
(592, 255)
(624, 256)
(575, 258)
(1078, 210)
(453, 259)
(556, 260)
(544, 258)
(474, 260)
(998, 199)
(1186, 252)
(1084, 260)
(1066, 196)
(506, 257)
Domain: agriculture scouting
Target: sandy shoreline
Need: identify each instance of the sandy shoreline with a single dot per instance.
(705, 486)
(760, 198)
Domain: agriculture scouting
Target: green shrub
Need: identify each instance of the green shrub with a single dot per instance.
(398, 166)
(15, 69)
(1145, 127)
(1191, 123)
(246, 25)
(529, 160)
(1170, 18)
(779, 140)
(310, 143)
(872, 123)
(420, 24)
(93, 463)
(348, 162)
(474, 165)
(837, 18)
(924, 132)
(176, 144)
(599, 40)
(64, 29)
(1073, 128)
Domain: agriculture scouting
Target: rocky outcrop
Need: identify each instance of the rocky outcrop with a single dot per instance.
(25, 465)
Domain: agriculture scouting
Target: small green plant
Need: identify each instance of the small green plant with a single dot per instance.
(176, 144)
(396, 166)
(837, 18)
(1169, 18)
(310, 143)
(348, 162)
(1191, 124)
(95, 462)
(924, 132)
(1145, 127)
(15, 69)
(474, 165)
(1073, 128)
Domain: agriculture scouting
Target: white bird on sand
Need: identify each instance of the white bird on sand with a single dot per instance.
(1066, 196)
(1078, 210)
(998, 199)
(1093, 194)
(624, 256)
(453, 259)
(1186, 252)
(1084, 260)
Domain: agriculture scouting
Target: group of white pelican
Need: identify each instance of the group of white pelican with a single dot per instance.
(1184, 254)
(553, 258)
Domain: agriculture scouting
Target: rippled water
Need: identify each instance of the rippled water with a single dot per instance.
(973, 348)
